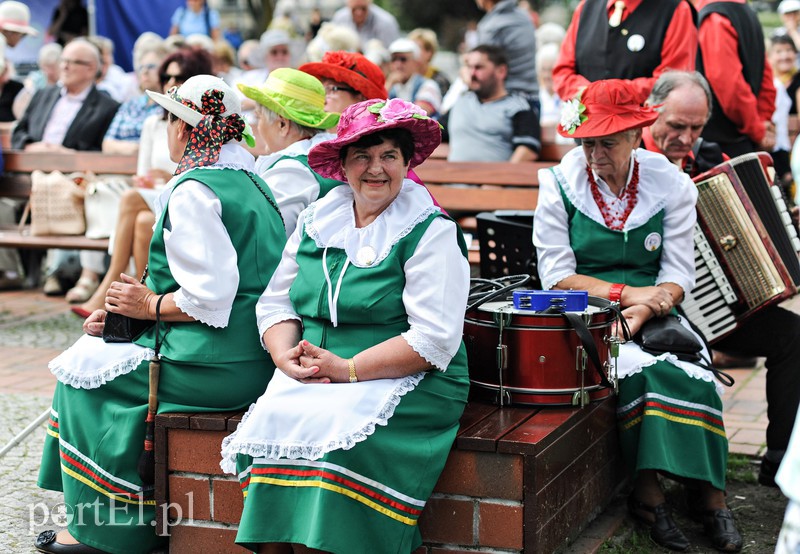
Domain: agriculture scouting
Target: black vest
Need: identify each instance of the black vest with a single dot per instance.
(751, 53)
(601, 51)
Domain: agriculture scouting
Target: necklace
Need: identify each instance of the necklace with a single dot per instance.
(616, 221)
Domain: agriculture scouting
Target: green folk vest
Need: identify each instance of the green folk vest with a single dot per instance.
(616, 256)
(256, 231)
(370, 307)
(325, 185)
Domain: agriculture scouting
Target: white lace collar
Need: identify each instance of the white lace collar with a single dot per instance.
(330, 222)
(656, 173)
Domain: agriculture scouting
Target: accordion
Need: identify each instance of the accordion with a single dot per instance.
(745, 246)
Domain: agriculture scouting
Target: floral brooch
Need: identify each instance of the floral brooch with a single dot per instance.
(572, 115)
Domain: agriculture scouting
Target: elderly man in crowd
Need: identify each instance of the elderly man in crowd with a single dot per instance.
(369, 21)
(406, 82)
(73, 115)
(685, 100)
(487, 124)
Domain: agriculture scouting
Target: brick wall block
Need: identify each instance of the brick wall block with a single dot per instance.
(228, 502)
(191, 540)
(191, 495)
(195, 451)
(500, 525)
(482, 474)
(448, 520)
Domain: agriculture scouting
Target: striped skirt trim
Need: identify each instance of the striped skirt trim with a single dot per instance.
(81, 468)
(337, 479)
(672, 409)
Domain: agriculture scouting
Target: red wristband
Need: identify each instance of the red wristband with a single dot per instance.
(615, 292)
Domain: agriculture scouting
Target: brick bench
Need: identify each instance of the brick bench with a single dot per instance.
(520, 479)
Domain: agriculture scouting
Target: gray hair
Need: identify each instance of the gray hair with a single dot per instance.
(272, 117)
(671, 80)
(50, 53)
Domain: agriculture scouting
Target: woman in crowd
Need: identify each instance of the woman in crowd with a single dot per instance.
(205, 297)
(135, 220)
(290, 121)
(348, 78)
(618, 222)
(364, 318)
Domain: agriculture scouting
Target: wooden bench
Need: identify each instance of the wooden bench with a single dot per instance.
(518, 479)
(15, 183)
(551, 152)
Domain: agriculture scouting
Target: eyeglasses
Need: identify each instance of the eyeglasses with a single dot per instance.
(279, 52)
(401, 59)
(332, 89)
(147, 67)
(165, 77)
(68, 61)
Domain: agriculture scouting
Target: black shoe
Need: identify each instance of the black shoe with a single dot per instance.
(766, 474)
(46, 542)
(721, 529)
(663, 530)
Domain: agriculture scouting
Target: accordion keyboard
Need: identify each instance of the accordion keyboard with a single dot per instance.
(708, 306)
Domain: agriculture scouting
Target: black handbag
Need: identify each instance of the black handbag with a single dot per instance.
(660, 335)
(122, 328)
(666, 334)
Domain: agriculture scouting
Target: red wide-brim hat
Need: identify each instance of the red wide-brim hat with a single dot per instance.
(373, 116)
(604, 108)
(352, 69)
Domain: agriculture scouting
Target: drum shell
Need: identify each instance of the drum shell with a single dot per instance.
(541, 354)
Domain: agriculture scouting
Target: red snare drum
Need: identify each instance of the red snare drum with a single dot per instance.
(541, 356)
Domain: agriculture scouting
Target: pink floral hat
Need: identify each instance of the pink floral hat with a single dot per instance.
(372, 116)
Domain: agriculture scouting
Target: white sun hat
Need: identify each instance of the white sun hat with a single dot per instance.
(193, 90)
(15, 16)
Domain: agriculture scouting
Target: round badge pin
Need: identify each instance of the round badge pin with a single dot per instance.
(635, 43)
(652, 242)
(366, 255)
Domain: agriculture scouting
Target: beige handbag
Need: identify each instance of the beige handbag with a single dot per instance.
(56, 204)
(101, 203)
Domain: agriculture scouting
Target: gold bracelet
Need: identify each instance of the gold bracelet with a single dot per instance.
(351, 366)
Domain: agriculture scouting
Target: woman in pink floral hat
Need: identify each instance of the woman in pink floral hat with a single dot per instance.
(364, 318)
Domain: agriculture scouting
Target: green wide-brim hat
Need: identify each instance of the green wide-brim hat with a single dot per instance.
(295, 95)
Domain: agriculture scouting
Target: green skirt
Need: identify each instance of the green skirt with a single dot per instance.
(672, 422)
(366, 499)
(95, 438)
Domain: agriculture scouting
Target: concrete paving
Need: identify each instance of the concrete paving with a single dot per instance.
(35, 328)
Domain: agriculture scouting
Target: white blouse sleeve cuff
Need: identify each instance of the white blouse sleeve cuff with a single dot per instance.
(274, 319)
(555, 278)
(677, 279)
(427, 349)
(212, 318)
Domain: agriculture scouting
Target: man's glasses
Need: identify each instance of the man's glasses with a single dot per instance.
(147, 67)
(332, 89)
(401, 59)
(68, 61)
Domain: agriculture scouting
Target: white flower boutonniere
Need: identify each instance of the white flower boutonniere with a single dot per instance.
(572, 115)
